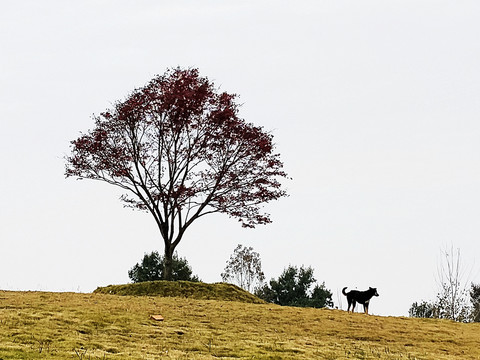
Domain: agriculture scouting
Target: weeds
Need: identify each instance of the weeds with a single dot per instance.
(44, 345)
(82, 355)
(209, 345)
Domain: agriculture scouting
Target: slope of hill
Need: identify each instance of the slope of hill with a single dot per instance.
(39, 325)
(188, 289)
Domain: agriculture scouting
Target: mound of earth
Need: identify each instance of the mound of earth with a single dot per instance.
(186, 289)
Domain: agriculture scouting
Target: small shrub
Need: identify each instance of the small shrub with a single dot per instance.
(293, 289)
(152, 267)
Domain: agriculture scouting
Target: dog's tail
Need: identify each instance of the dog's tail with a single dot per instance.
(343, 291)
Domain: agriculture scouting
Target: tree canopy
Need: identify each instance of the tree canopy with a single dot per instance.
(179, 149)
(293, 288)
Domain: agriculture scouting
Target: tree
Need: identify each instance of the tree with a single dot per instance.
(179, 150)
(475, 300)
(423, 309)
(152, 267)
(293, 289)
(452, 299)
(244, 267)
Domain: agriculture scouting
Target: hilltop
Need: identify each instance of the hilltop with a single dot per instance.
(41, 325)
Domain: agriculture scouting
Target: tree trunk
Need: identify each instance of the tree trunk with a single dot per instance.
(168, 264)
(170, 247)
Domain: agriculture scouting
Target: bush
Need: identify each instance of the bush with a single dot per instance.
(438, 309)
(422, 310)
(152, 267)
(293, 289)
(475, 299)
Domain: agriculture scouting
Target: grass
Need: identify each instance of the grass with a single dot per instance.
(40, 325)
(187, 289)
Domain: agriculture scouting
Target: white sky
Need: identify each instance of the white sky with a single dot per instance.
(374, 106)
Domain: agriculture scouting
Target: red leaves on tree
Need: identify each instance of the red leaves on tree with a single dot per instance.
(179, 149)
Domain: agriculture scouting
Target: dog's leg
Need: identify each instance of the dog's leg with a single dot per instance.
(354, 303)
(365, 307)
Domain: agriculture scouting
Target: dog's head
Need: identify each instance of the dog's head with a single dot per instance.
(373, 291)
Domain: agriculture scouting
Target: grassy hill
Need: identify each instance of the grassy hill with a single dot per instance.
(40, 325)
(187, 289)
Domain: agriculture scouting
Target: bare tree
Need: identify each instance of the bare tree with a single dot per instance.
(244, 267)
(452, 299)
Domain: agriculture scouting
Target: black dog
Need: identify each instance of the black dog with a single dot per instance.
(362, 297)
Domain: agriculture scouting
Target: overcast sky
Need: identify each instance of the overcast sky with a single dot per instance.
(374, 106)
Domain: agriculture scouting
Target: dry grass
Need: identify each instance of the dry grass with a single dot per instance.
(37, 325)
(187, 289)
